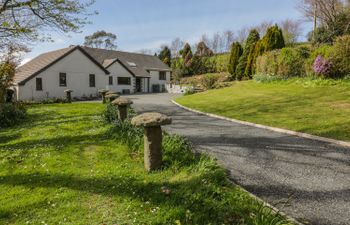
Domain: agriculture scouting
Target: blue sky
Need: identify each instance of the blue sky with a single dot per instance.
(146, 24)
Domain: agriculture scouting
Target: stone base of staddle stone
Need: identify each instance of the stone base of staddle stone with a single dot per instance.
(153, 148)
(122, 112)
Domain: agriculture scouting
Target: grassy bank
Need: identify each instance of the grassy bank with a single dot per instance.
(317, 107)
(65, 166)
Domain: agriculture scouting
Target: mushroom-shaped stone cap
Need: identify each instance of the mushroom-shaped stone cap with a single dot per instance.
(112, 96)
(152, 119)
(111, 92)
(122, 101)
(68, 90)
(102, 91)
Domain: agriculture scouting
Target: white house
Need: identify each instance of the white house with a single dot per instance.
(86, 70)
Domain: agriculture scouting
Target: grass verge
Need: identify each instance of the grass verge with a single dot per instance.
(66, 166)
(319, 107)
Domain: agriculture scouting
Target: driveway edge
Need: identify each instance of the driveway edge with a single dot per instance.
(280, 130)
(266, 204)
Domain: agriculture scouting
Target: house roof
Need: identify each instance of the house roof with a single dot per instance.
(137, 64)
(44, 61)
(143, 62)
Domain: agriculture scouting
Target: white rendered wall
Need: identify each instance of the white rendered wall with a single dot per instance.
(77, 67)
(116, 70)
(155, 79)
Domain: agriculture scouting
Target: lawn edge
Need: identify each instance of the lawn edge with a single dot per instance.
(266, 204)
(280, 130)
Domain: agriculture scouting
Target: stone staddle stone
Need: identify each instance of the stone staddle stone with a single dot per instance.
(152, 138)
(122, 104)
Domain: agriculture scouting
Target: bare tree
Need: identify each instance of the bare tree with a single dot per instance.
(325, 11)
(262, 27)
(291, 30)
(176, 45)
(242, 34)
(205, 39)
(227, 38)
(215, 42)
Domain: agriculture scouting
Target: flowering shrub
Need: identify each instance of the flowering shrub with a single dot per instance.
(322, 66)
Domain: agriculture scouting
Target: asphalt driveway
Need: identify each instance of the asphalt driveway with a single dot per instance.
(307, 179)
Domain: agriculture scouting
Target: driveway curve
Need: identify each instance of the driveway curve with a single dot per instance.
(307, 179)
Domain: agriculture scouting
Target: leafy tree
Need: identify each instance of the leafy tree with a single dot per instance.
(184, 52)
(253, 37)
(235, 54)
(101, 39)
(273, 39)
(203, 50)
(8, 63)
(31, 20)
(165, 55)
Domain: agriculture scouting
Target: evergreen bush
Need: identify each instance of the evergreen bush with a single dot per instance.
(243, 60)
(235, 54)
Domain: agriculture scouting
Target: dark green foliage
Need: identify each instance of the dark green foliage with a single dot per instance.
(11, 114)
(201, 65)
(273, 39)
(243, 61)
(235, 54)
(165, 55)
(203, 50)
(337, 26)
(185, 51)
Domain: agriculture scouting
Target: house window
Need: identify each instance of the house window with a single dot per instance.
(39, 84)
(63, 80)
(162, 75)
(110, 80)
(124, 80)
(92, 80)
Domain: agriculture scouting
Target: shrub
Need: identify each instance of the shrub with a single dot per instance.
(290, 62)
(341, 56)
(235, 54)
(324, 51)
(322, 66)
(267, 63)
(208, 81)
(273, 39)
(243, 60)
(11, 114)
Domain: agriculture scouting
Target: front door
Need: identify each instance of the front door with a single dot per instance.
(138, 85)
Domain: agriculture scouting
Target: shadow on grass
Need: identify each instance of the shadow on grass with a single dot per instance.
(206, 202)
(57, 142)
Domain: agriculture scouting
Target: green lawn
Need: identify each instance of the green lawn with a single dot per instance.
(64, 166)
(316, 107)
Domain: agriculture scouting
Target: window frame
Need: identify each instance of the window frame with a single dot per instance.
(41, 84)
(110, 80)
(65, 79)
(126, 83)
(92, 80)
(162, 75)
